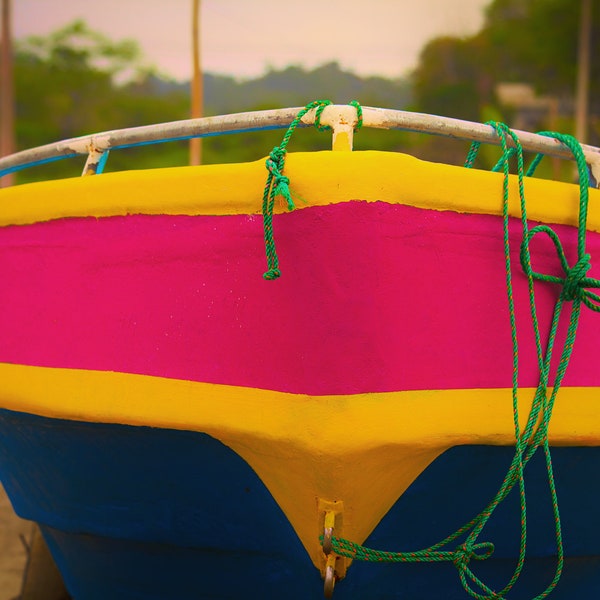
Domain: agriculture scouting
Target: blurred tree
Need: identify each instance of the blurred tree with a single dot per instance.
(76, 81)
(65, 83)
(451, 78)
(7, 97)
(535, 41)
(528, 41)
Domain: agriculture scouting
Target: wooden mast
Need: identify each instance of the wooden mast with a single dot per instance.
(583, 72)
(7, 102)
(197, 83)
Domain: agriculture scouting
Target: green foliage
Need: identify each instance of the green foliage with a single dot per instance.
(294, 86)
(530, 41)
(522, 41)
(536, 41)
(66, 83)
(76, 81)
(77, 47)
(447, 79)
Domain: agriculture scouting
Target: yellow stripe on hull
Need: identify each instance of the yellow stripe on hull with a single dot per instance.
(363, 449)
(316, 179)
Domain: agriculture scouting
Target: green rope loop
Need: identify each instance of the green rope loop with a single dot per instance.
(359, 114)
(278, 185)
(318, 112)
(461, 556)
(275, 164)
(535, 433)
(575, 282)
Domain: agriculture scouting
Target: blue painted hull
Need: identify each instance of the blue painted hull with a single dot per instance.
(137, 512)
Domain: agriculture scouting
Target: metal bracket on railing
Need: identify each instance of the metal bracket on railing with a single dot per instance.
(594, 162)
(96, 159)
(342, 119)
(334, 566)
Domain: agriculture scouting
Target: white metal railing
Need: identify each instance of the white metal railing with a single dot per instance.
(339, 117)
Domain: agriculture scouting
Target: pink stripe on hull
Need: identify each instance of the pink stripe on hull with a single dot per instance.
(373, 297)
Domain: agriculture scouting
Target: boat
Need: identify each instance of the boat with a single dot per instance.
(355, 374)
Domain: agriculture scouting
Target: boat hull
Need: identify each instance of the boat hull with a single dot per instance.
(139, 512)
(180, 427)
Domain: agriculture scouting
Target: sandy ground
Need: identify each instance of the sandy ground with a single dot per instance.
(13, 555)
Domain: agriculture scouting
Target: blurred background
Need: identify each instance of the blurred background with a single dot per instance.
(79, 68)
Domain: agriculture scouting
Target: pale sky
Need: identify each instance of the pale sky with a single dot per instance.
(245, 37)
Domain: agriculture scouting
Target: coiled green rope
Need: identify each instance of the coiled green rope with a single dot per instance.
(278, 184)
(534, 436)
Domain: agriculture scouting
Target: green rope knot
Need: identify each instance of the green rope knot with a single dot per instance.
(575, 279)
(575, 282)
(271, 274)
(467, 552)
(277, 155)
(279, 185)
(320, 108)
(282, 188)
(359, 113)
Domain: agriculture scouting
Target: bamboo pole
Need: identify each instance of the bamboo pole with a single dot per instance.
(379, 118)
(197, 83)
(7, 106)
(583, 72)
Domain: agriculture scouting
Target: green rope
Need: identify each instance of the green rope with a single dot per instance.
(575, 281)
(534, 436)
(278, 184)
